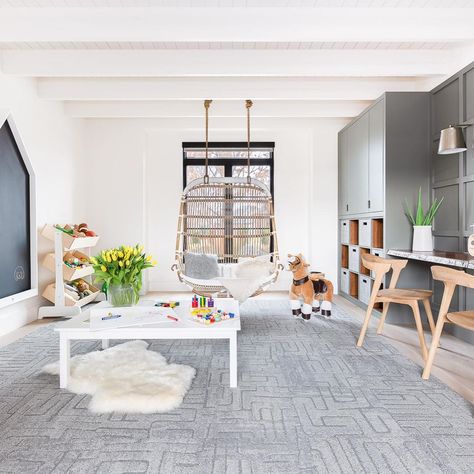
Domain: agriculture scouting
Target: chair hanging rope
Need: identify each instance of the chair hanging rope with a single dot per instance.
(248, 104)
(207, 104)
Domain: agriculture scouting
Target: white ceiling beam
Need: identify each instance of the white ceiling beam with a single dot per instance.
(236, 24)
(224, 109)
(221, 88)
(153, 63)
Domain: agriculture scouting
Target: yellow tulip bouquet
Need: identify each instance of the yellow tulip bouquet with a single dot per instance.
(120, 271)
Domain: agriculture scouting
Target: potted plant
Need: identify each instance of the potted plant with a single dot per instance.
(120, 271)
(422, 222)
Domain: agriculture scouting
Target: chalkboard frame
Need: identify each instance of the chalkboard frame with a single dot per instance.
(5, 116)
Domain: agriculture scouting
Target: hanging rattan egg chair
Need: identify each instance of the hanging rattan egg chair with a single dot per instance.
(232, 218)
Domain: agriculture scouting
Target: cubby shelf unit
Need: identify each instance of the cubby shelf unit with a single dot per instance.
(359, 237)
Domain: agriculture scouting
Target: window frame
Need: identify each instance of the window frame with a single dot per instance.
(228, 163)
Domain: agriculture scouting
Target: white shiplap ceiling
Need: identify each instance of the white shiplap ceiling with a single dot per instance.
(184, 45)
(241, 3)
(160, 58)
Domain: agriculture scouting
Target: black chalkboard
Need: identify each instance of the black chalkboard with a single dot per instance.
(15, 263)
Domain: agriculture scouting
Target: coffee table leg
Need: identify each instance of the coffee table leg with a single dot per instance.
(105, 344)
(233, 360)
(64, 360)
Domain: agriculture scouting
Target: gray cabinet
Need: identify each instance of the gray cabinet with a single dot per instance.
(358, 153)
(361, 163)
(383, 158)
(376, 157)
(453, 178)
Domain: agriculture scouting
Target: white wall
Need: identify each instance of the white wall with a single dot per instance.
(135, 183)
(53, 142)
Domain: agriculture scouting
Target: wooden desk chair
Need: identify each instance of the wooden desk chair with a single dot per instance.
(381, 266)
(451, 278)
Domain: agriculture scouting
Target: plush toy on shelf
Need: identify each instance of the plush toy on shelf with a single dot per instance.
(77, 230)
(315, 290)
(75, 260)
(78, 289)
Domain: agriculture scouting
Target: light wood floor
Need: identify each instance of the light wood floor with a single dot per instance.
(454, 362)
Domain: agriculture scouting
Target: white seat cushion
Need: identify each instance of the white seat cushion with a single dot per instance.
(258, 267)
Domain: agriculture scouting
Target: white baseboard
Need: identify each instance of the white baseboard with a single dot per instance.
(19, 314)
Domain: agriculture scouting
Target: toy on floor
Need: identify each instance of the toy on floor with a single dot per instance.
(315, 290)
(203, 311)
(167, 304)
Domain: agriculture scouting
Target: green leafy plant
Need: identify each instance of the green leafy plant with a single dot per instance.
(420, 217)
(121, 265)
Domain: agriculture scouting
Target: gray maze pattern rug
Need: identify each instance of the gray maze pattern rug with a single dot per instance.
(308, 401)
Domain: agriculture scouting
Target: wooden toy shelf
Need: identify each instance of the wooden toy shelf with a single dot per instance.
(65, 304)
(69, 242)
(69, 273)
(50, 294)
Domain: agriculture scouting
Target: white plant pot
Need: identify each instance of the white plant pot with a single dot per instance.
(422, 238)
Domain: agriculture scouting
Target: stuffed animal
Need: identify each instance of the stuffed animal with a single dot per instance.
(311, 287)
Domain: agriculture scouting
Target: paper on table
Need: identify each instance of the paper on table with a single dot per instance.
(112, 318)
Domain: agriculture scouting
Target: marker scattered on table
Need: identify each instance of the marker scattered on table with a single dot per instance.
(111, 316)
(172, 317)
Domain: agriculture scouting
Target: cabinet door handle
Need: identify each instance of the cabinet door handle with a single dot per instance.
(347, 207)
(369, 203)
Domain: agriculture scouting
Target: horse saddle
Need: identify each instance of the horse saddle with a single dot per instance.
(319, 286)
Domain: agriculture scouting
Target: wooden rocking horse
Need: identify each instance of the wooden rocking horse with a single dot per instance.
(315, 290)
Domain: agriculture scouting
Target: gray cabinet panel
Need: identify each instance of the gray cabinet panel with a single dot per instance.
(358, 156)
(448, 244)
(376, 157)
(343, 174)
(469, 135)
(469, 205)
(469, 92)
(446, 106)
(444, 166)
(447, 218)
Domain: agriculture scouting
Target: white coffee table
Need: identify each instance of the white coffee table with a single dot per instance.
(185, 328)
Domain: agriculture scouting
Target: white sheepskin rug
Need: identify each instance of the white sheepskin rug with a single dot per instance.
(128, 378)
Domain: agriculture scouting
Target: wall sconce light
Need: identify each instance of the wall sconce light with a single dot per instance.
(451, 140)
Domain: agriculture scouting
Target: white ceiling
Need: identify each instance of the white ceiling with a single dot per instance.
(241, 3)
(160, 58)
(104, 45)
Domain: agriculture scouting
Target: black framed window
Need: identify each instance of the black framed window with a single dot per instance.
(229, 159)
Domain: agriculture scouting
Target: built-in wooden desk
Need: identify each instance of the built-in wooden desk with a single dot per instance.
(451, 259)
